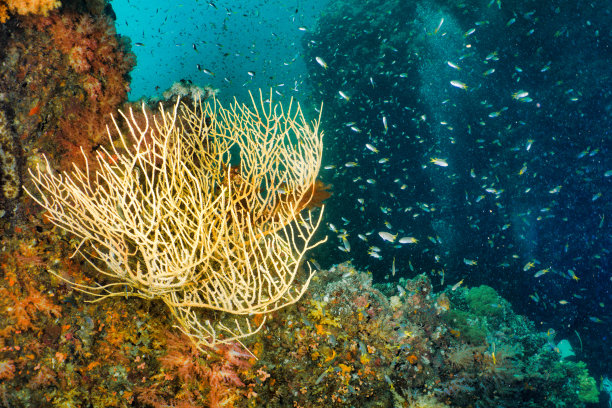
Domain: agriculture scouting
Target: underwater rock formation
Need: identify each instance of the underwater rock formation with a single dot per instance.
(10, 169)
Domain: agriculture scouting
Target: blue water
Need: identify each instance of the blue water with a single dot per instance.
(479, 129)
(229, 39)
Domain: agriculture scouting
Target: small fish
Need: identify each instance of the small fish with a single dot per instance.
(371, 148)
(488, 72)
(563, 302)
(321, 62)
(346, 244)
(384, 120)
(458, 84)
(439, 162)
(470, 262)
(492, 56)
(583, 153)
(315, 264)
(456, 285)
(572, 275)
(541, 272)
(518, 95)
(139, 44)
(351, 164)
(408, 240)
(393, 267)
(453, 65)
(374, 254)
(439, 25)
(208, 72)
(344, 96)
(386, 236)
(528, 266)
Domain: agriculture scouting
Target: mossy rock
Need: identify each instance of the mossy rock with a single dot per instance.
(484, 301)
(458, 320)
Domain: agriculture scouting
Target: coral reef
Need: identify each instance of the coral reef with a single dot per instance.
(58, 350)
(347, 343)
(352, 343)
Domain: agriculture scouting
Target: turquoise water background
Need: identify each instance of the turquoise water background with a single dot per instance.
(230, 39)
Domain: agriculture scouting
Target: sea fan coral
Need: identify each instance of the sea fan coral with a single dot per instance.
(220, 220)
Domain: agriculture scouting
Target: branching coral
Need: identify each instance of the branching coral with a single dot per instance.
(169, 215)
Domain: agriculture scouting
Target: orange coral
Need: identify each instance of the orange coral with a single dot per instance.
(3, 13)
(21, 301)
(92, 50)
(42, 303)
(42, 7)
